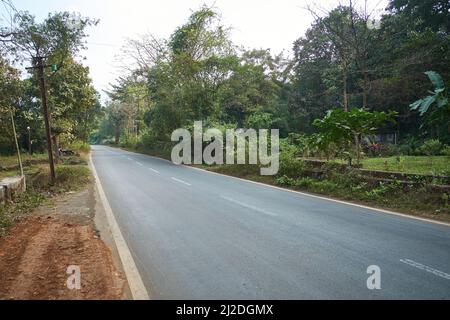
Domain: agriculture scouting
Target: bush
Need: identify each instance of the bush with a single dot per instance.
(80, 146)
(432, 147)
(305, 182)
(392, 150)
(291, 166)
(151, 144)
(129, 141)
(406, 150)
(324, 186)
(284, 181)
(446, 151)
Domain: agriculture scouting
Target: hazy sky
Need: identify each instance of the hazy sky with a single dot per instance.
(273, 24)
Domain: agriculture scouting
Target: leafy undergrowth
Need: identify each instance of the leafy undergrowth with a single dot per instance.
(69, 178)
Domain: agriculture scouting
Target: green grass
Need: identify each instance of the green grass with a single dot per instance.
(68, 178)
(410, 164)
(7, 161)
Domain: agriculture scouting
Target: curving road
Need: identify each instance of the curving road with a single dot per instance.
(198, 235)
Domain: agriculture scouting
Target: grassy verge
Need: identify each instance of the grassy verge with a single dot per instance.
(432, 165)
(6, 161)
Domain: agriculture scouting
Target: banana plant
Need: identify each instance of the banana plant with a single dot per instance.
(438, 97)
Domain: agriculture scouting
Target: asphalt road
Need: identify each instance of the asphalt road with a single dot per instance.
(198, 235)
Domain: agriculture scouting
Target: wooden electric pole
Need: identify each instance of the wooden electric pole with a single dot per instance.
(19, 158)
(39, 65)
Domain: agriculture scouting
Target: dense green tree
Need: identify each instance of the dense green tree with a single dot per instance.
(73, 102)
(434, 14)
(10, 92)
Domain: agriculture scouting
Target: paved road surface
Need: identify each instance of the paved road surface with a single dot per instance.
(197, 235)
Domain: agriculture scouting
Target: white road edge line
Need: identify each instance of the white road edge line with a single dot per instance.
(312, 195)
(423, 267)
(155, 171)
(248, 206)
(137, 288)
(325, 198)
(181, 181)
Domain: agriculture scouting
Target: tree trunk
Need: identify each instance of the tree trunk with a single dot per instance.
(344, 76)
(365, 89)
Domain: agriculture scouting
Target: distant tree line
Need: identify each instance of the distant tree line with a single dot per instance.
(347, 59)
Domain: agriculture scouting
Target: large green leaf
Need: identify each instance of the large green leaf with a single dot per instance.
(436, 79)
(426, 103)
(416, 105)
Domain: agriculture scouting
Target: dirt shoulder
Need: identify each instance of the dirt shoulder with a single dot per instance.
(35, 255)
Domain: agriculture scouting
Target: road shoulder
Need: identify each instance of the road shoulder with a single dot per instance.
(36, 255)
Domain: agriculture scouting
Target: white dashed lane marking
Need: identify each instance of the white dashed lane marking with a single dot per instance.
(248, 206)
(423, 267)
(181, 181)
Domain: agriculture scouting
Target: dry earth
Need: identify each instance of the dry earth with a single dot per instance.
(34, 257)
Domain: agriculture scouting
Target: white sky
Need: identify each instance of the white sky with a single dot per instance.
(255, 23)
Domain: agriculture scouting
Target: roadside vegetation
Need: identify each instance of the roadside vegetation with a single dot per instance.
(429, 165)
(360, 92)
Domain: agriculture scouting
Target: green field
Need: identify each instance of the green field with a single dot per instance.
(410, 164)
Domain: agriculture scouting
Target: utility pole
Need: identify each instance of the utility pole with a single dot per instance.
(39, 65)
(19, 158)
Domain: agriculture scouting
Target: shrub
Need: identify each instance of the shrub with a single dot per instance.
(80, 146)
(284, 181)
(432, 147)
(305, 182)
(291, 166)
(446, 151)
(406, 150)
(129, 141)
(324, 186)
